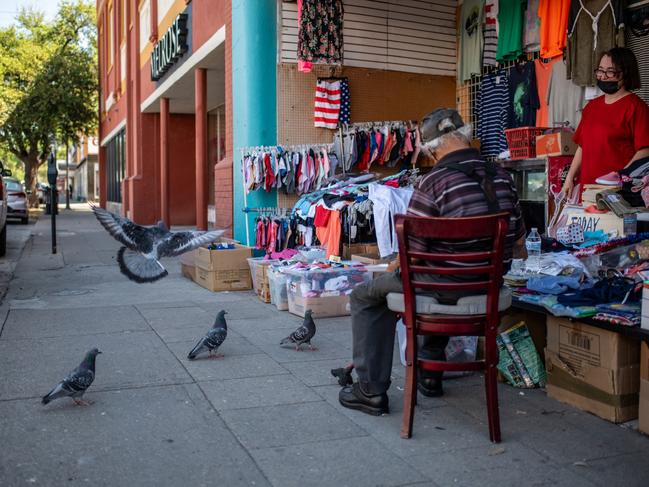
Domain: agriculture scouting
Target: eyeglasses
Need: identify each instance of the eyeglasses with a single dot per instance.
(608, 73)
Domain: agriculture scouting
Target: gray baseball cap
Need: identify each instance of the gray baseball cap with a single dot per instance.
(439, 122)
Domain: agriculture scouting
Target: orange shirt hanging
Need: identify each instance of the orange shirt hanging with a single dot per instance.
(554, 26)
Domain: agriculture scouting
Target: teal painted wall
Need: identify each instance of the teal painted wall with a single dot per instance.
(254, 96)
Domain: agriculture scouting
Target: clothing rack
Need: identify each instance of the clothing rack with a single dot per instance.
(295, 147)
(267, 209)
(244, 150)
(380, 123)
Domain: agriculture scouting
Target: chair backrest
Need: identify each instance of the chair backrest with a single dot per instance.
(481, 271)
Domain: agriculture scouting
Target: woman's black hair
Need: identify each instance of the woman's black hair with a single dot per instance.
(626, 63)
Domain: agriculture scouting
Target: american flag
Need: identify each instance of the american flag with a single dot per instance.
(327, 104)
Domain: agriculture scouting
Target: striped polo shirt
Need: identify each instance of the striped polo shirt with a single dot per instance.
(449, 193)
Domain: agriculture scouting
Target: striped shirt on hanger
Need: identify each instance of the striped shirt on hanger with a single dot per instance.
(492, 114)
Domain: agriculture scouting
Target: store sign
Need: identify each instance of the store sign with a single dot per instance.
(169, 48)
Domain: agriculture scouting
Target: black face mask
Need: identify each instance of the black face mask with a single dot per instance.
(608, 87)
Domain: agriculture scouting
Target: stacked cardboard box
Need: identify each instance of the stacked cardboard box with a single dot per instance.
(188, 264)
(224, 270)
(262, 286)
(643, 413)
(593, 369)
(359, 248)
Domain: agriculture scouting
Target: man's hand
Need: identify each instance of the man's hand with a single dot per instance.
(393, 265)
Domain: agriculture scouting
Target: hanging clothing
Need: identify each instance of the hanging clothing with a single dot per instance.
(532, 29)
(471, 40)
(320, 34)
(329, 236)
(554, 24)
(327, 104)
(490, 33)
(388, 202)
(565, 99)
(492, 113)
(523, 96)
(594, 27)
(303, 66)
(610, 134)
(511, 17)
(543, 72)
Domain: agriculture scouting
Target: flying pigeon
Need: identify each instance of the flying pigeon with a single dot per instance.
(303, 334)
(142, 247)
(76, 382)
(213, 339)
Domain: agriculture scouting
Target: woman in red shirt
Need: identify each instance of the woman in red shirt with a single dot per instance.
(614, 128)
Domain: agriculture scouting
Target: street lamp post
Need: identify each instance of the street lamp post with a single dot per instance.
(52, 176)
(67, 176)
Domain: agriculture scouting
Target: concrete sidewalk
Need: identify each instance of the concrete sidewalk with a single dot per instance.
(262, 415)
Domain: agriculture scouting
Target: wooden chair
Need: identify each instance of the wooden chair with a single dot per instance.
(477, 314)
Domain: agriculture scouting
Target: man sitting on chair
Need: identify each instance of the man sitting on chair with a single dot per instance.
(461, 184)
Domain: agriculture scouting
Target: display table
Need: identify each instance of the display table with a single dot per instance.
(634, 332)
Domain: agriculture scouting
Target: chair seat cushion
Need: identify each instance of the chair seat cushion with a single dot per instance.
(468, 305)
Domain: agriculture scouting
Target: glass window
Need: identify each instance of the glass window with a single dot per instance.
(115, 166)
(14, 186)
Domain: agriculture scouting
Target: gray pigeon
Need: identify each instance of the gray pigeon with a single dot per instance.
(142, 248)
(303, 334)
(213, 339)
(77, 382)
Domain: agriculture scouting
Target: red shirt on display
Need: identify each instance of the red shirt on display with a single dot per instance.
(610, 134)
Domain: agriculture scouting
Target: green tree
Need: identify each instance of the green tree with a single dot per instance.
(49, 76)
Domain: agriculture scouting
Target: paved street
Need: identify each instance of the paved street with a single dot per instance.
(262, 415)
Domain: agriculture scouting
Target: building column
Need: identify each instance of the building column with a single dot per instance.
(200, 85)
(254, 96)
(165, 215)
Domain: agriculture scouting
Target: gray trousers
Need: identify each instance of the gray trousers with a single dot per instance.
(373, 329)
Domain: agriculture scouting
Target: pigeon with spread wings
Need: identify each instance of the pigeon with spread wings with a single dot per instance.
(142, 247)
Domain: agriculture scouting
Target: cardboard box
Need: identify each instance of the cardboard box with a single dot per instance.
(226, 280)
(189, 258)
(322, 307)
(188, 271)
(224, 260)
(369, 258)
(591, 222)
(359, 248)
(556, 144)
(262, 286)
(643, 407)
(593, 369)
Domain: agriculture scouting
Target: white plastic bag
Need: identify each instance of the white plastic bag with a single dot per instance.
(459, 349)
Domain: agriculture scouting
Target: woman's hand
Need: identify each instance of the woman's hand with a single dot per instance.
(568, 186)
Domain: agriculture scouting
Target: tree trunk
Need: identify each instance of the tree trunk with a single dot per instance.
(32, 164)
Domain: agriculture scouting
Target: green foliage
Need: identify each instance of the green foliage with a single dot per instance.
(48, 73)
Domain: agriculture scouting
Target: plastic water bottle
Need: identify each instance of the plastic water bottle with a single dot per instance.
(533, 246)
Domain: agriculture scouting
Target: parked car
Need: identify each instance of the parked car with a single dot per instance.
(17, 204)
(41, 191)
(3, 213)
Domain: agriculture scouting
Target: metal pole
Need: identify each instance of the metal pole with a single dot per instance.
(67, 175)
(54, 204)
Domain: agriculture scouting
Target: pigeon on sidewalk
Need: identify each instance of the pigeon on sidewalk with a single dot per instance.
(303, 334)
(143, 246)
(77, 382)
(213, 339)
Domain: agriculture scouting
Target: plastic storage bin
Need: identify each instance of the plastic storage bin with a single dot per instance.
(278, 295)
(253, 262)
(324, 291)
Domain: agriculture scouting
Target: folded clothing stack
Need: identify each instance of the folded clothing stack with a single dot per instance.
(619, 314)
